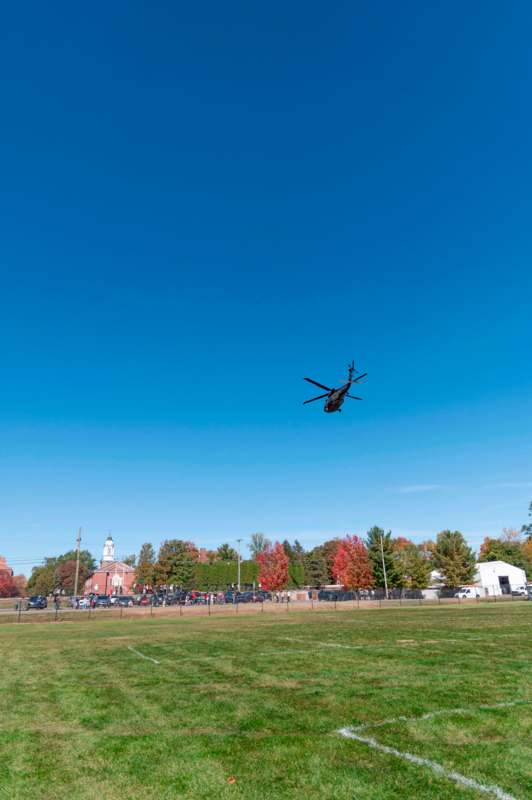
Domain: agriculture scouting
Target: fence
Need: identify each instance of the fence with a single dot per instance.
(344, 601)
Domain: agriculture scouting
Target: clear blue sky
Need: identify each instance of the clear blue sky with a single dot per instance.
(200, 204)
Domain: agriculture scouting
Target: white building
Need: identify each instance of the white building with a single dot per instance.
(492, 579)
(499, 577)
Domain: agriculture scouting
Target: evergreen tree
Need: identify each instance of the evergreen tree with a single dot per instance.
(145, 572)
(129, 560)
(379, 544)
(527, 528)
(453, 559)
(299, 551)
(289, 550)
(296, 574)
(315, 569)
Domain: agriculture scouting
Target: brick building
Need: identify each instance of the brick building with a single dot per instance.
(112, 576)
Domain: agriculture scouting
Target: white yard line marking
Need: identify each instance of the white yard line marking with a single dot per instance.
(328, 644)
(456, 777)
(444, 712)
(141, 655)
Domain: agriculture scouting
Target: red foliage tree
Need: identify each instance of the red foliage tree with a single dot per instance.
(8, 587)
(273, 567)
(401, 543)
(352, 565)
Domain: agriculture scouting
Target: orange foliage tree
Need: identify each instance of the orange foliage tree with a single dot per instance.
(273, 567)
(8, 587)
(352, 565)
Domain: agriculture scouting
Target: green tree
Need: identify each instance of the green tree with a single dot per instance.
(509, 547)
(327, 551)
(226, 553)
(527, 528)
(379, 544)
(175, 564)
(287, 547)
(454, 559)
(47, 577)
(296, 575)
(42, 578)
(257, 544)
(413, 567)
(315, 569)
(145, 572)
(129, 560)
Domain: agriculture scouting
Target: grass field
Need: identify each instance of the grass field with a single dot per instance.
(251, 707)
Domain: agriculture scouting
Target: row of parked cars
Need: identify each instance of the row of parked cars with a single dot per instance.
(170, 599)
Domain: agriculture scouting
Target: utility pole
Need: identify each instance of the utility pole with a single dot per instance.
(238, 565)
(384, 567)
(78, 542)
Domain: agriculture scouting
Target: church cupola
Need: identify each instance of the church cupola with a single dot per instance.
(108, 551)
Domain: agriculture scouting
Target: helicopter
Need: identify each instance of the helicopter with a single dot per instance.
(336, 397)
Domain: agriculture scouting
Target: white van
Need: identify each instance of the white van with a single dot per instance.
(468, 592)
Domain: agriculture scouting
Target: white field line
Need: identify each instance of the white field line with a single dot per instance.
(443, 713)
(327, 644)
(456, 777)
(141, 655)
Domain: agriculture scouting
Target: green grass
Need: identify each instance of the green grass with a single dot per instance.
(261, 698)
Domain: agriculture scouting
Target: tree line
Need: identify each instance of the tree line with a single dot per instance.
(354, 562)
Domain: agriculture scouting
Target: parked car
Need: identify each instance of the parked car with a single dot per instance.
(37, 601)
(84, 602)
(519, 591)
(124, 600)
(102, 601)
(142, 599)
(468, 592)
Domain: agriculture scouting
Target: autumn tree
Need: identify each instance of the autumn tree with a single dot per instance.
(129, 560)
(43, 579)
(8, 587)
(257, 544)
(453, 559)
(327, 551)
(21, 583)
(273, 567)
(175, 563)
(65, 575)
(508, 547)
(352, 565)
(145, 572)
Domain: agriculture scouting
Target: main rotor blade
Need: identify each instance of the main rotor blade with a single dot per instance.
(356, 380)
(319, 384)
(319, 397)
(352, 396)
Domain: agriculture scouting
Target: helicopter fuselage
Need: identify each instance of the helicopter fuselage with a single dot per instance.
(336, 399)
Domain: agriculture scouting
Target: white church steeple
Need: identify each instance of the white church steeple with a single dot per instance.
(108, 551)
